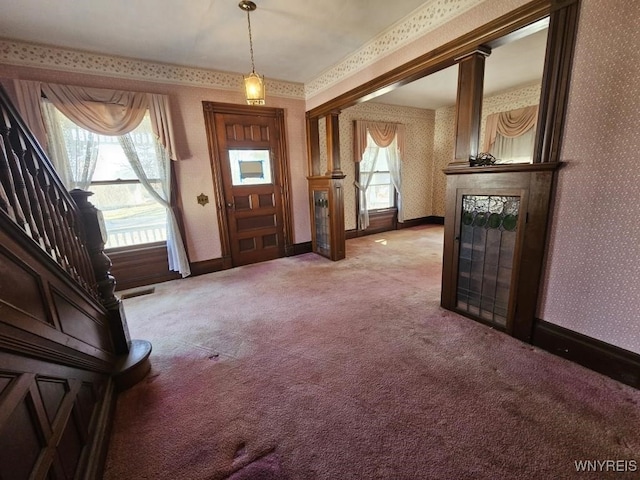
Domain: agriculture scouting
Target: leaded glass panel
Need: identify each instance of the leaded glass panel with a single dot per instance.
(487, 245)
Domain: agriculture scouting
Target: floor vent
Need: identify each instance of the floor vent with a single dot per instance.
(137, 292)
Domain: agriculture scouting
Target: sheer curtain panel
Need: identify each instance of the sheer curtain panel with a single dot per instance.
(114, 113)
(379, 135)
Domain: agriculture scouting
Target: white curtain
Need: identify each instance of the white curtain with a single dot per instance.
(72, 150)
(393, 156)
(115, 113)
(367, 169)
(514, 149)
(509, 136)
(378, 135)
(152, 165)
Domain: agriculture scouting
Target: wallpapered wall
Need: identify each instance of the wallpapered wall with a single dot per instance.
(444, 141)
(194, 169)
(430, 147)
(416, 166)
(592, 281)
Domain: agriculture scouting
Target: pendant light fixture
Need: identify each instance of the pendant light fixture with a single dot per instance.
(253, 83)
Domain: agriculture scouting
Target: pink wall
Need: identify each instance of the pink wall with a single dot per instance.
(592, 279)
(194, 170)
(592, 282)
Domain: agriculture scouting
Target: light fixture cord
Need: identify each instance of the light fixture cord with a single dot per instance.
(253, 68)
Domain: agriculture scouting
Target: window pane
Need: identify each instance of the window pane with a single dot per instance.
(250, 167)
(112, 163)
(379, 196)
(131, 215)
(380, 178)
(382, 165)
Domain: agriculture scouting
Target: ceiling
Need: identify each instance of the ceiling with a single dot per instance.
(510, 65)
(294, 41)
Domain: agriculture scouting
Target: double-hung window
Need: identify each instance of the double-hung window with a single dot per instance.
(374, 173)
(99, 163)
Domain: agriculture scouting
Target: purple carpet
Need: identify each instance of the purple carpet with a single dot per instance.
(303, 368)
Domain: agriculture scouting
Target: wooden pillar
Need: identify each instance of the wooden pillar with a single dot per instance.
(333, 145)
(313, 146)
(326, 192)
(469, 105)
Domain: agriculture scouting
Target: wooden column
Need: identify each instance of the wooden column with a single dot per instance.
(333, 145)
(326, 192)
(313, 146)
(469, 105)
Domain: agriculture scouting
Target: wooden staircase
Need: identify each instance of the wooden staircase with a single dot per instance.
(64, 345)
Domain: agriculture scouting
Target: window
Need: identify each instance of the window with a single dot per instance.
(98, 163)
(374, 174)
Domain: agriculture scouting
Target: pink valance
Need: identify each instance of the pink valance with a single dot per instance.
(102, 111)
(509, 124)
(381, 133)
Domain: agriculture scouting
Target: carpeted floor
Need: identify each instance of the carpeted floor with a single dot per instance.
(303, 368)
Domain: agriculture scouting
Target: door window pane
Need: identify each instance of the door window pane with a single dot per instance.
(250, 167)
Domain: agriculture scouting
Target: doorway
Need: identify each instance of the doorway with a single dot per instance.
(247, 146)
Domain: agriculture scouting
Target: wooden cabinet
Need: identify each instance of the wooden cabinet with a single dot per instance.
(495, 229)
(326, 198)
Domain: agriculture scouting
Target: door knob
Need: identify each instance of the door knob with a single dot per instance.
(230, 205)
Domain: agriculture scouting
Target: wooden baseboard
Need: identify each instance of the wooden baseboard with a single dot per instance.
(612, 361)
(206, 266)
(415, 222)
(97, 450)
(302, 248)
(218, 264)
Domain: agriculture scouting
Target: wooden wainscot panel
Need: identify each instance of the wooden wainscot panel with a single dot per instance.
(139, 266)
(22, 292)
(76, 321)
(51, 419)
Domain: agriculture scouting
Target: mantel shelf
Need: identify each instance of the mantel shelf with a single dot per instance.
(503, 168)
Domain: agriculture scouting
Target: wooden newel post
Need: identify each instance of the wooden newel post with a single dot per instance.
(95, 238)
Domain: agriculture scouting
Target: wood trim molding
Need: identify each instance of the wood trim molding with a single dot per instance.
(96, 452)
(139, 266)
(504, 168)
(415, 222)
(615, 362)
(443, 56)
(302, 248)
(210, 109)
(207, 266)
(218, 264)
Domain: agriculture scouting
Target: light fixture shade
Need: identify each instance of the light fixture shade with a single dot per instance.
(254, 89)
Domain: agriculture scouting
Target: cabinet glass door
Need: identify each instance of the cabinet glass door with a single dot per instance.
(488, 233)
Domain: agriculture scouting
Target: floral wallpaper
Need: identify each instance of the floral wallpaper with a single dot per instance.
(29, 54)
(592, 281)
(416, 167)
(426, 18)
(444, 141)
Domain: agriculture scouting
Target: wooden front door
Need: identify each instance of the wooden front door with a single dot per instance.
(249, 164)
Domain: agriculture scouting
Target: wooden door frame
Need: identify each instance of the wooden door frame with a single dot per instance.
(210, 109)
